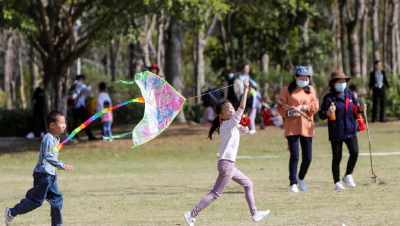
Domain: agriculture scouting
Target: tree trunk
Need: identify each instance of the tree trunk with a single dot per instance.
(231, 41)
(201, 44)
(265, 62)
(305, 58)
(33, 72)
(375, 30)
(173, 59)
(21, 74)
(385, 35)
(363, 42)
(8, 68)
(131, 49)
(114, 56)
(160, 45)
(393, 29)
(354, 43)
(224, 43)
(342, 5)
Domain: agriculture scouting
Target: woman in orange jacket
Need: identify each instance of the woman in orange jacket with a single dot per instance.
(300, 95)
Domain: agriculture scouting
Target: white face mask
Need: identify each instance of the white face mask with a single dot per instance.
(340, 87)
(302, 83)
(231, 75)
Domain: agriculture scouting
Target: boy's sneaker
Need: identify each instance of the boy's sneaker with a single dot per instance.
(9, 217)
(348, 179)
(302, 184)
(293, 188)
(189, 219)
(260, 215)
(339, 186)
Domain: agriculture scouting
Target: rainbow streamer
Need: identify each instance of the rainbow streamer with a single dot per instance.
(94, 117)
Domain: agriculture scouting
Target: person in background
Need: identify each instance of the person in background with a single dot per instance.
(377, 84)
(338, 105)
(78, 109)
(38, 124)
(154, 69)
(253, 101)
(353, 89)
(228, 78)
(107, 120)
(300, 95)
(210, 99)
(101, 98)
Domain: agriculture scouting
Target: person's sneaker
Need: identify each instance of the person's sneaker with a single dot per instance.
(189, 219)
(253, 131)
(339, 186)
(348, 179)
(9, 217)
(293, 188)
(259, 215)
(302, 184)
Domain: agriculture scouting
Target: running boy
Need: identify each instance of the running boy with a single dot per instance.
(44, 175)
(229, 129)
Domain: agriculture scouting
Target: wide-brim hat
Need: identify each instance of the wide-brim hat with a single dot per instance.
(337, 75)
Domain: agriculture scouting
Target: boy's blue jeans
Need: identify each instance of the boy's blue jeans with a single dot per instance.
(44, 187)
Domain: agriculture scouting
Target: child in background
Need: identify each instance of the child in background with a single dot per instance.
(44, 175)
(353, 88)
(227, 125)
(107, 120)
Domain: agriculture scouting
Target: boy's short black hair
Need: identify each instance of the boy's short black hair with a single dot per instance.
(376, 62)
(52, 117)
(102, 86)
(106, 102)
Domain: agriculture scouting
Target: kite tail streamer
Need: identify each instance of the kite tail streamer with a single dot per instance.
(94, 117)
(127, 82)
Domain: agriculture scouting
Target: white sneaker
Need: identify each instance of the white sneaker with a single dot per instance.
(339, 186)
(189, 219)
(9, 218)
(348, 179)
(260, 215)
(302, 184)
(293, 188)
(253, 131)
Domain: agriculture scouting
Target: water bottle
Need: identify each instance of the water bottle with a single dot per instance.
(333, 115)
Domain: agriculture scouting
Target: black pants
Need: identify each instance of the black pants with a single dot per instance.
(378, 97)
(352, 145)
(306, 155)
(80, 114)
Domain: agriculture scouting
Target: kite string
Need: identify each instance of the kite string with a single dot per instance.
(213, 91)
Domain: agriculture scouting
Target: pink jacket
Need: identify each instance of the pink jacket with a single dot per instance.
(107, 117)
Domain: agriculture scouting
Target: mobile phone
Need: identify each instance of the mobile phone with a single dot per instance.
(289, 113)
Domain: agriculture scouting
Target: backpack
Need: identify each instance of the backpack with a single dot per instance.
(72, 96)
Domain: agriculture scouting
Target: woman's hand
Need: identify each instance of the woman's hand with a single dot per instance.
(329, 112)
(363, 107)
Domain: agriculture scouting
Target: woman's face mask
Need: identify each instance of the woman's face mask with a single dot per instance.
(340, 87)
(302, 83)
(231, 75)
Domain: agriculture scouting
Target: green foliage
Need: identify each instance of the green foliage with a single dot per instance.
(15, 123)
(194, 112)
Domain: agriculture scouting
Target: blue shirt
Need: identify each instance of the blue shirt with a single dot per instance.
(81, 89)
(48, 159)
(241, 77)
(378, 79)
(344, 126)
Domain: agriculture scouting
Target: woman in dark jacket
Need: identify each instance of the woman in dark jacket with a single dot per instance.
(343, 128)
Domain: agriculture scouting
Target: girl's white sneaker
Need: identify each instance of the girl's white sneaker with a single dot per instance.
(259, 215)
(293, 188)
(189, 219)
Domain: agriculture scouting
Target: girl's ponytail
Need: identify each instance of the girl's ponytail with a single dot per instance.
(215, 127)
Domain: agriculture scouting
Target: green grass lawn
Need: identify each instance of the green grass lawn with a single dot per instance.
(154, 184)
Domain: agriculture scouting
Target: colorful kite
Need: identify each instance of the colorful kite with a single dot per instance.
(162, 105)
